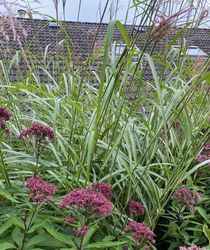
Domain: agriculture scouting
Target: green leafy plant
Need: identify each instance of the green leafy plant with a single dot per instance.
(62, 138)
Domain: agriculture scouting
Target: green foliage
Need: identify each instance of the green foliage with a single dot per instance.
(145, 148)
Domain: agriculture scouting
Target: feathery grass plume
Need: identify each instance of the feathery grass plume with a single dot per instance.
(56, 2)
(79, 9)
(114, 6)
(8, 22)
(165, 25)
(203, 16)
(64, 9)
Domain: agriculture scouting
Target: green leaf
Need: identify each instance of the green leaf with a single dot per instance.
(7, 245)
(105, 244)
(7, 195)
(17, 222)
(36, 226)
(37, 249)
(123, 33)
(73, 248)
(59, 236)
(5, 226)
(87, 237)
(37, 239)
(206, 231)
(108, 238)
(52, 242)
(17, 236)
(203, 213)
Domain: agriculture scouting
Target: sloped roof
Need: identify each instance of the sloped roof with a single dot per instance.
(40, 35)
(81, 36)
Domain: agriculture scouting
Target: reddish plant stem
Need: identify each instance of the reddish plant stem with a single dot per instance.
(29, 224)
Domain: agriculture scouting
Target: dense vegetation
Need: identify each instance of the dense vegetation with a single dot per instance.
(85, 167)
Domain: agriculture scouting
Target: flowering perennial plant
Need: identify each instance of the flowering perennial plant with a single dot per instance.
(39, 131)
(5, 115)
(140, 231)
(40, 191)
(135, 208)
(69, 220)
(147, 248)
(207, 146)
(186, 197)
(89, 201)
(192, 247)
(82, 231)
(103, 188)
(205, 154)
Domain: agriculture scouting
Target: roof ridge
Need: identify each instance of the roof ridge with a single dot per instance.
(97, 23)
(74, 22)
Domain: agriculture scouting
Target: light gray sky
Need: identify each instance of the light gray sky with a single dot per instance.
(90, 9)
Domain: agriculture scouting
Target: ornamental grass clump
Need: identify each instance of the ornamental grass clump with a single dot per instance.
(186, 197)
(112, 124)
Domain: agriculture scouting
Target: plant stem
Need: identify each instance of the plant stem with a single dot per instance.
(37, 157)
(29, 224)
(25, 230)
(4, 171)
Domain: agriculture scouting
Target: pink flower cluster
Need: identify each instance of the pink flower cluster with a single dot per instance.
(81, 232)
(103, 188)
(205, 154)
(147, 248)
(70, 220)
(40, 191)
(186, 197)
(39, 131)
(89, 201)
(5, 115)
(135, 208)
(192, 247)
(140, 231)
